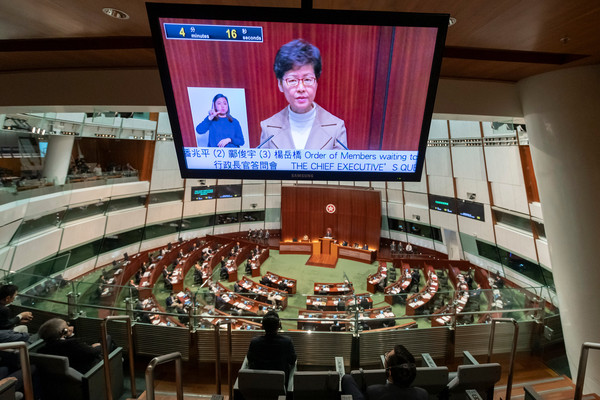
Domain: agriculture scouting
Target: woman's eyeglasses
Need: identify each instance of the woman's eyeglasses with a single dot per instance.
(293, 82)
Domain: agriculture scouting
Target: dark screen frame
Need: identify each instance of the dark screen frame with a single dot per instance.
(156, 11)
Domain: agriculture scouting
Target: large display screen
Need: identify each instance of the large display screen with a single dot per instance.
(265, 93)
(442, 203)
(471, 209)
(229, 191)
(203, 193)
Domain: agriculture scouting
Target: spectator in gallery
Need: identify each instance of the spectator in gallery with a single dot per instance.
(272, 351)
(393, 248)
(59, 339)
(223, 130)
(302, 124)
(267, 236)
(409, 248)
(401, 371)
(8, 293)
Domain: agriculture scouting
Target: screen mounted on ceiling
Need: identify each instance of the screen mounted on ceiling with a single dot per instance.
(265, 93)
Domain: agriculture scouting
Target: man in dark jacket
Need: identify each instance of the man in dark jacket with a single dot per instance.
(272, 351)
(60, 341)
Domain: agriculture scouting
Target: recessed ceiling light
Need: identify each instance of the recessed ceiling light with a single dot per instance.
(451, 21)
(113, 12)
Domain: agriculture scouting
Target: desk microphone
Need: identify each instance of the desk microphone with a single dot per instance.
(341, 144)
(265, 142)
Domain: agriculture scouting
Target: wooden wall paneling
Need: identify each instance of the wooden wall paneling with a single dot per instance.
(146, 163)
(373, 221)
(344, 218)
(409, 79)
(357, 218)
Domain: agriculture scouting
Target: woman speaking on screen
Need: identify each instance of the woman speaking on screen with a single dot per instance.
(223, 130)
(303, 124)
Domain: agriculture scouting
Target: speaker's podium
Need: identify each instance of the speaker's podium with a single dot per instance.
(324, 252)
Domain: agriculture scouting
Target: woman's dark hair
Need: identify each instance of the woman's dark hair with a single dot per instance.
(294, 54)
(217, 97)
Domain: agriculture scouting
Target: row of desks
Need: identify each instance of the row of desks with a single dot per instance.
(323, 320)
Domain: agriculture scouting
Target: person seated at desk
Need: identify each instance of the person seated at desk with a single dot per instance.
(365, 247)
(401, 371)
(305, 238)
(182, 315)
(283, 285)
(272, 351)
(224, 274)
(364, 303)
(498, 282)
(167, 278)
(336, 327)
(345, 243)
(271, 299)
(198, 280)
(137, 277)
(415, 277)
(237, 288)
(170, 302)
(329, 233)
(356, 246)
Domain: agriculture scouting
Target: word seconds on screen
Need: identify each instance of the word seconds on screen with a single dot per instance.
(214, 33)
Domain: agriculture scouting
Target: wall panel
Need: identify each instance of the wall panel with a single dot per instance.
(82, 232)
(125, 220)
(517, 242)
(35, 249)
(164, 212)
